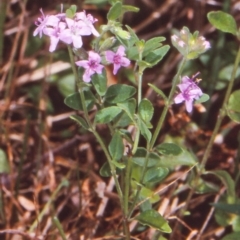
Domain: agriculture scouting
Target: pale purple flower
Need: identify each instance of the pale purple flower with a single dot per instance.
(189, 92)
(43, 22)
(88, 20)
(92, 65)
(118, 59)
(77, 29)
(58, 33)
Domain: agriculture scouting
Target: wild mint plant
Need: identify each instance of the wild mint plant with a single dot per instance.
(135, 167)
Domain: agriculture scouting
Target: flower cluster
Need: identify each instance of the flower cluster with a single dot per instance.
(190, 45)
(189, 91)
(68, 30)
(92, 65)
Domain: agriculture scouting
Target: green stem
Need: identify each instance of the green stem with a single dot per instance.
(127, 185)
(79, 83)
(139, 187)
(222, 112)
(112, 167)
(167, 105)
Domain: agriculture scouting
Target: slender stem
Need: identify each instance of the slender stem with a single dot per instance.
(222, 112)
(112, 167)
(139, 86)
(139, 187)
(82, 97)
(167, 105)
(127, 184)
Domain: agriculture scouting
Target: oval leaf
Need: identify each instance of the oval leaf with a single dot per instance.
(155, 174)
(105, 170)
(74, 100)
(119, 93)
(99, 81)
(202, 99)
(233, 106)
(108, 114)
(140, 157)
(146, 110)
(115, 11)
(153, 219)
(169, 149)
(80, 121)
(116, 146)
(223, 21)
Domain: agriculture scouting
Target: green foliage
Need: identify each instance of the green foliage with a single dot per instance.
(107, 115)
(105, 170)
(169, 149)
(153, 219)
(203, 98)
(233, 106)
(4, 165)
(230, 208)
(116, 146)
(80, 121)
(146, 110)
(144, 129)
(142, 155)
(119, 93)
(115, 11)
(158, 91)
(99, 81)
(223, 21)
(74, 100)
(155, 175)
(228, 182)
(66, 85)
(184, 159)
(70, 12)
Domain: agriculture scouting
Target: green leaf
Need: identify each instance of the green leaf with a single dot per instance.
(227, 181)
(116, 147)
(119, 93)
(80, 121)
(129, 8)
(115, 11)
(147, 193)
(153, 44)
(157, 55)
(99, 81)
(155, 174)
(233, 106)
(129, 107)
(223, 21)
(4, 165)
(133, 37)
(158, 91)
(146, 110)
(153, 219)
(144, 130)
(74, 101)
(66, 85)
(169, 149)
(230, 208)
(183, 159)
(105, 170)
(202, 99)
(231, 236)
(107, 115)
(119, 165)
(141, 156)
